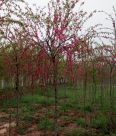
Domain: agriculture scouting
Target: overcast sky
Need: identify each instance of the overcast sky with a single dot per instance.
(89, 6)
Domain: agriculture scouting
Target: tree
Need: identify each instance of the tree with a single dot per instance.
(13, 39)
(54, 29)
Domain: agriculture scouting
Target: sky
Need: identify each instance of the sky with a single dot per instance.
(90, 5)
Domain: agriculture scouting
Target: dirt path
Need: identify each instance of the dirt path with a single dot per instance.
(4, 125)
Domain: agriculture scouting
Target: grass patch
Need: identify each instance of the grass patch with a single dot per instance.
(80, 122)
(102, 123)
(34, 107)
(88, 108)
(45, 124)
(37, 99)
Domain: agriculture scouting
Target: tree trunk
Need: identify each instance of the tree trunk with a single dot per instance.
(84, 93)
(111, 99)
(94, 84)
(55, 96)
(101, 90)
(17, 92)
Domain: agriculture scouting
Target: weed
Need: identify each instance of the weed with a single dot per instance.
(45, 124)
(81, 122)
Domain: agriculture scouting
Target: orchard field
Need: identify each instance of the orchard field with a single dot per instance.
(36, 113)
(57, 72)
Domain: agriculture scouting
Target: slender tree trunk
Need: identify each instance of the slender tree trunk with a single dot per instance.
(94, 84)
(17, 93)
(46, 113)
(111, 99)
(55, 96)
(101, 94)
(9, 132)
(85, 88)
(85, 92)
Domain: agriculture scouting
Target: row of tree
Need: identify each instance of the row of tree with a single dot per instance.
(50, 46)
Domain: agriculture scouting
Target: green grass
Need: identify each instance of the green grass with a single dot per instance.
(69, 100)
(74, 99)
(102, 123)
(45, 124)
(80, 122)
